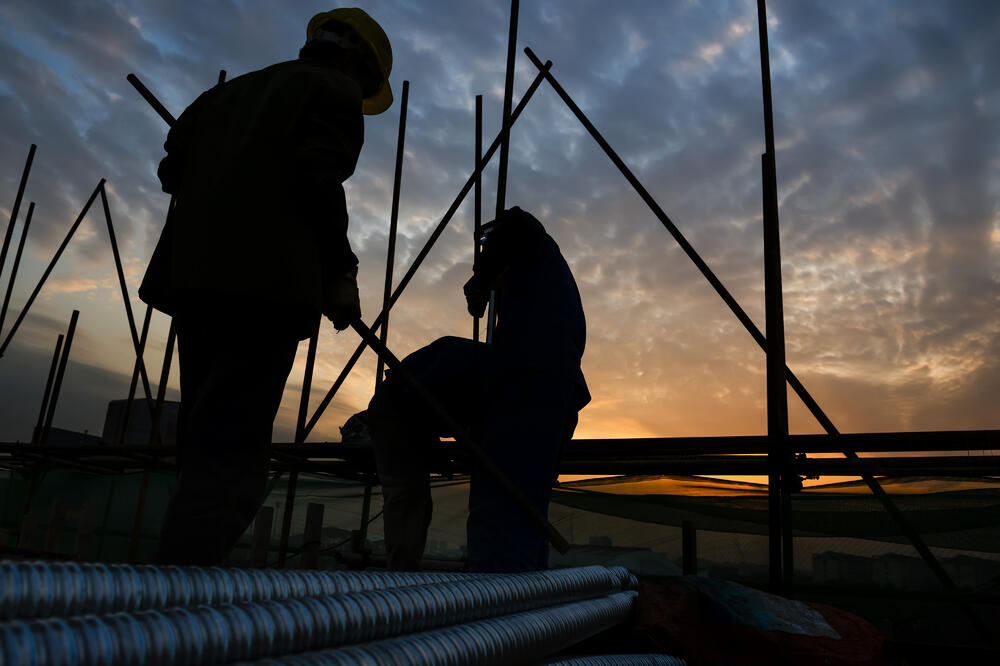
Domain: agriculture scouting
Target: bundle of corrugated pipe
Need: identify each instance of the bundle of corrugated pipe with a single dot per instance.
(69, 614)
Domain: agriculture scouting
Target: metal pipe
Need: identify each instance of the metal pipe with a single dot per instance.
(780, 542)
(13, 218)
(63, 589)
(36, 437)
(286, 520)
(393, 219)
(491, 317)
(422, 254)
(300, 422)
(252, 630)
(814, 408)
(156, 436)
(48, 269)
(151, 99)
(520, 638)
(16, 264)
(63, 361)
(477, 199)
(466, 440)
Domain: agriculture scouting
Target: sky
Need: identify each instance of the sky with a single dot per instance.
(888, 167)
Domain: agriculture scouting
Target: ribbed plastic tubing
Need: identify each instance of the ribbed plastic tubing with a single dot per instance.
(621, 660)
(44, 589)
(519, 638)
(210, 634)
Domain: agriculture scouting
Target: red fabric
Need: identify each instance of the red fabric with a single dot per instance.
(683, 621)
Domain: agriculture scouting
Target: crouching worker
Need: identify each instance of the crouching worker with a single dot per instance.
(518, 396)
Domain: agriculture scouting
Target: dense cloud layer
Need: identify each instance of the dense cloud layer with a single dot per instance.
(887, 134)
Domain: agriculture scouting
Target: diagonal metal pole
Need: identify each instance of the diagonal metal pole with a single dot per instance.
(904, 524)
(393, 220)
(48, 269)
(36, 435)
(491, 318)
(423, 254)
(17, 262)
(128, 305)
(13, 217)
(464, 439)
(60, 372)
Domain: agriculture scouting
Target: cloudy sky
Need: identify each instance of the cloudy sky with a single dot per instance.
(888, 159)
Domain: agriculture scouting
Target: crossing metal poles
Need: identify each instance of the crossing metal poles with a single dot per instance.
(423, 253)
(890, 506)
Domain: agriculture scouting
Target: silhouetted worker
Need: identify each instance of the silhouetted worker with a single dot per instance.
(519, 396)
(253, 252)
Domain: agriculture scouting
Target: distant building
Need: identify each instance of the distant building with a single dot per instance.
(140, 423)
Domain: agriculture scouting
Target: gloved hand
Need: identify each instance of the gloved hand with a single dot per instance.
(477, 296)
(342, 303)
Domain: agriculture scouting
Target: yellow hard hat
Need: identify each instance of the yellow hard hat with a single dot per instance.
(371, 33)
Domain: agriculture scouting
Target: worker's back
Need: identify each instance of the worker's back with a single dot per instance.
(257, 165)
(541, 324)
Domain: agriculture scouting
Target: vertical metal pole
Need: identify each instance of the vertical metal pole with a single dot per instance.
(48, 269)
(286, 521)
(300, 423)
(779, 534)
(17, 262)
(222, 77)
(366, 509)
(13, 216)
(63, 360)
(161, 389)
(508, 92)
(36, 436)
(478, 200)
(393, 219)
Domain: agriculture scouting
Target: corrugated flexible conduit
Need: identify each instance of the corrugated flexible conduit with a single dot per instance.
(514, 639)
(46, 589)
(208, 634)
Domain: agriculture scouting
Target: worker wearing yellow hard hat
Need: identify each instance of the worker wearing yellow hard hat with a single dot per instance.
(367, 36)
(254, 253)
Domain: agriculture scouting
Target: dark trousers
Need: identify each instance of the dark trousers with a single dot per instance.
(232, 376)
(521, 420)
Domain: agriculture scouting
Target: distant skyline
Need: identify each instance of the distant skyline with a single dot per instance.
(887, 122)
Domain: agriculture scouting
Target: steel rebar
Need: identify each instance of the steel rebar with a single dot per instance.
(60, 372)
(48, 269)
(36, 436)
(17, 262)
(393, 220)
(13, 215)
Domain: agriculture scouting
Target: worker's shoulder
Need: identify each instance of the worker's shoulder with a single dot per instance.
(302, 74)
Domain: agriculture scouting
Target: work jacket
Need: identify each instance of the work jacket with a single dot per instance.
(541, 327)
(259, 217)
